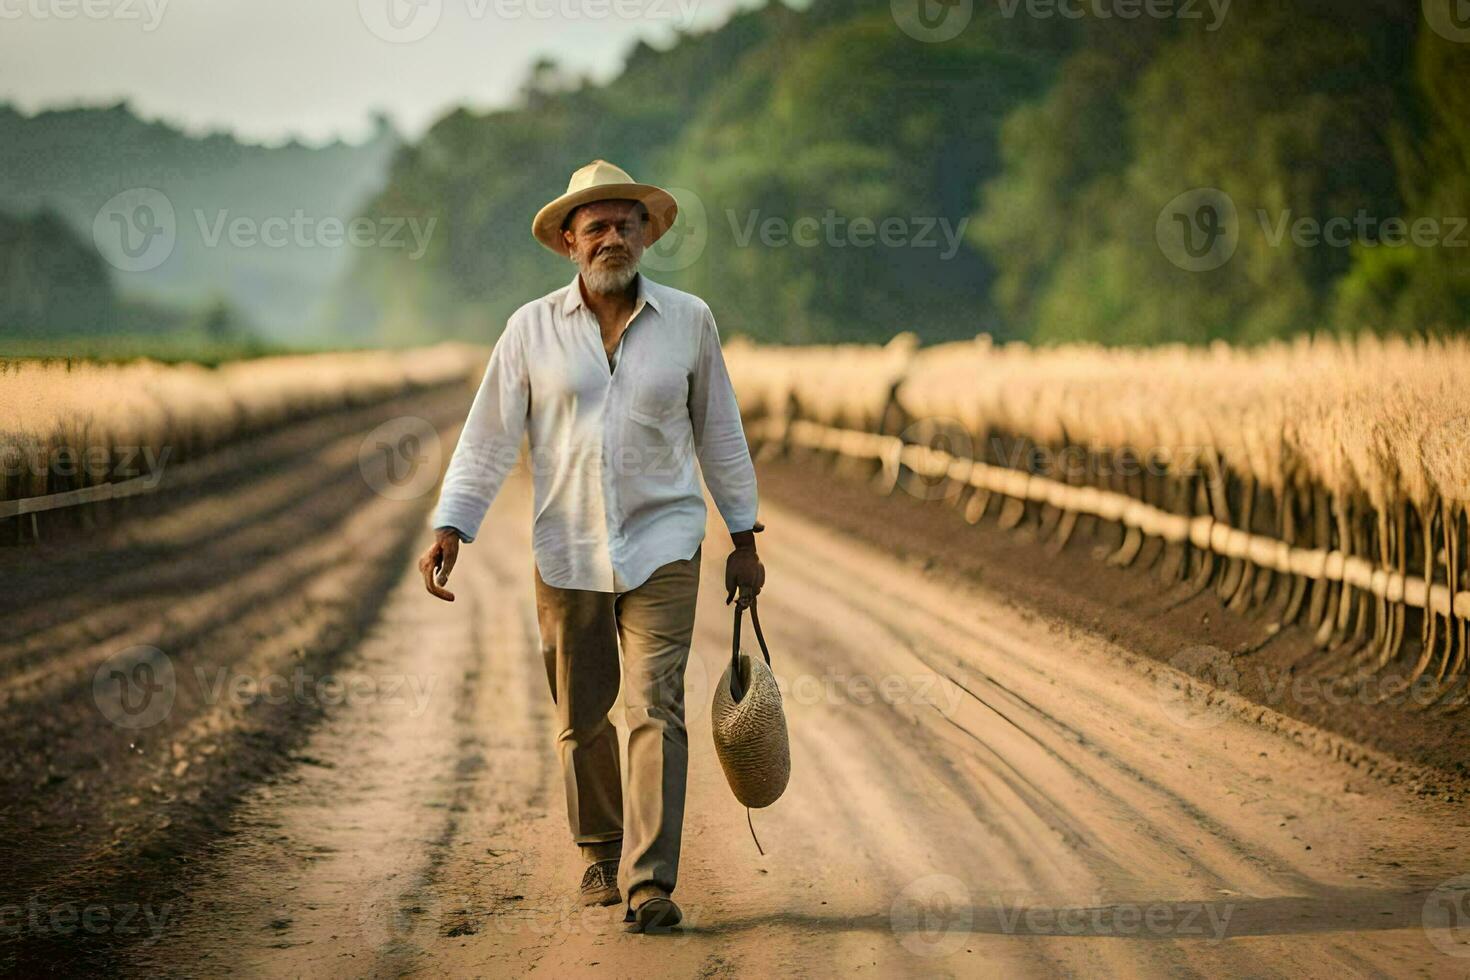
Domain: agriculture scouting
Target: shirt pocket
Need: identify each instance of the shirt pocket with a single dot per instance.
(658, 397)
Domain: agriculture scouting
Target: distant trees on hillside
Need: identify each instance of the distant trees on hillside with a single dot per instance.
(51, 281)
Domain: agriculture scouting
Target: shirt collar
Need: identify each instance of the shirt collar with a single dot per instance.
(646, 294)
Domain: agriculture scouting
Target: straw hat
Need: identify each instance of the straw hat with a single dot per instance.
(602, 181)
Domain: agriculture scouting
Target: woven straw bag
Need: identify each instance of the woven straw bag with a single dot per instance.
(749, 724)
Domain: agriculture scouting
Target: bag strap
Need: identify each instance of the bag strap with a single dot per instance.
(736, 691)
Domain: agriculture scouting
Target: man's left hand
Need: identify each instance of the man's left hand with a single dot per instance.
(743, 569)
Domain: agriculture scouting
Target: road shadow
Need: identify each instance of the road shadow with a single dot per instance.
(1334, 910)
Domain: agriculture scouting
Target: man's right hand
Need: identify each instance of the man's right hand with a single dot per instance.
(438, 562)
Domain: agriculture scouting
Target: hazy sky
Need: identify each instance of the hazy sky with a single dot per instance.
(271, 69)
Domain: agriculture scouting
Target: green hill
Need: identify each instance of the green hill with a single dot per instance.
(50, 277)
(72, 162)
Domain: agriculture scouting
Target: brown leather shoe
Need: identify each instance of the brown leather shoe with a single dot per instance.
(600, 883)
(654, 915)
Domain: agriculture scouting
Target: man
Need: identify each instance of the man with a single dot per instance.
(616, 379)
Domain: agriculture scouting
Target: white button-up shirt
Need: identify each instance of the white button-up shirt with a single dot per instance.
(612, 448)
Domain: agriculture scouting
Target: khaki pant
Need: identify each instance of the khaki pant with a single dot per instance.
(580, 634)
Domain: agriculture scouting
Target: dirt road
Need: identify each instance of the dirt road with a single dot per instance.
(975, 791)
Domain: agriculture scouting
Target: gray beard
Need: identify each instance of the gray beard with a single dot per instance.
(600, 279)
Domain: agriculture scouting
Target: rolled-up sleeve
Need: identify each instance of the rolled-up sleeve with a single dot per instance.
(719, 438)
(490, 441)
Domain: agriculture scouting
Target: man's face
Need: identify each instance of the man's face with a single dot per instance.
(606, 240)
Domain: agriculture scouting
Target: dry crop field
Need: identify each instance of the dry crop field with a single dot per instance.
(71, 425)
(1322, 481)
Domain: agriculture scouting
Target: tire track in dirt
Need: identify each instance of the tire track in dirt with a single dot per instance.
(243, 487)
(270, 519)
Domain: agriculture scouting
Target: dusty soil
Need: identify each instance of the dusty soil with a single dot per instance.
(1276, 668)
(979, 786)
(263, 560)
